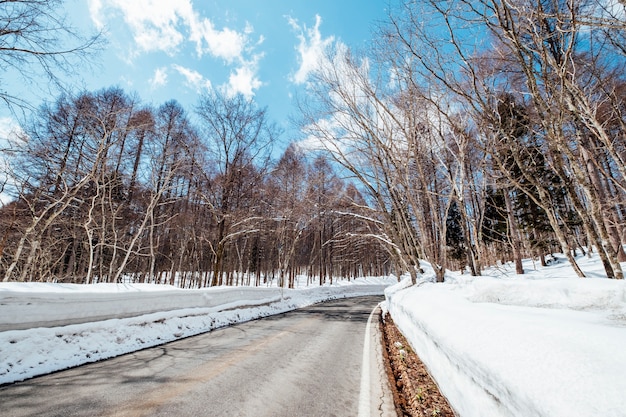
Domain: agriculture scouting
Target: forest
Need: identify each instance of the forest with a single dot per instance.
(472, 133)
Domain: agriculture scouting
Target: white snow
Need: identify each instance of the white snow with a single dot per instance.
(113, 319)
(541, 344)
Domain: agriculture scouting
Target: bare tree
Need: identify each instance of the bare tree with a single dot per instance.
(238, 137)
(36, 39)
(94, 193)
(382, 135)
(534, 51)
(290, 213)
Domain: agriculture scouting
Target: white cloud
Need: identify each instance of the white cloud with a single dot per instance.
(95, 11)
(163, 25)
(226, 43)
(11, 134)
(193, 78)
(244, 80)
(167, 25)
(11, 139)
(153, 23)
(310, 49)
(159, 79)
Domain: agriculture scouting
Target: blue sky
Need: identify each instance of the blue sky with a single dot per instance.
(176, 49)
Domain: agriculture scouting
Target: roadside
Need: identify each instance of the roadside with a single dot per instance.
(415, 393)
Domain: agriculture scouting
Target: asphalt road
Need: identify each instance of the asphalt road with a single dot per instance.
(318, 361)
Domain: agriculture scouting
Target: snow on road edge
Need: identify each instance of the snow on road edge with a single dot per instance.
(28, 353)
(551, 347)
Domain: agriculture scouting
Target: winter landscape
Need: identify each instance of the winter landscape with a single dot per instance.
(543, 344)
(169, 168)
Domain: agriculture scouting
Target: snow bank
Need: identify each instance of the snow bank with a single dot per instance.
(513, 346)
(160, 314)
(67, 304)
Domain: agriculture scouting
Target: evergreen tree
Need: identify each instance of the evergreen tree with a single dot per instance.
(494, 227)
(455, 241)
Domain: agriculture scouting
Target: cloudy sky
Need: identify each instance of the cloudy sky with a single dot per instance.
(176, 49)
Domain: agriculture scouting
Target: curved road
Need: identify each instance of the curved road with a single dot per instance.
(323, 360)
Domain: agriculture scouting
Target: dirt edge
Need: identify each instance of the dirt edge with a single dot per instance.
(415, 394)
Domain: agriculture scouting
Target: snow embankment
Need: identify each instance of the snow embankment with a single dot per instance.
(50, 305)
(107, 320)
(520, 347)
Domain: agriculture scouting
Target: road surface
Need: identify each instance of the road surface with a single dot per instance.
(323, 360)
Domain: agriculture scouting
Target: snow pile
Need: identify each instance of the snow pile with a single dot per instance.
(148, 315)
(542, 344)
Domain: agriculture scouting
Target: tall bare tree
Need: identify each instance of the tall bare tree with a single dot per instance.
(238, 137)
(539, 50)
(381, 134)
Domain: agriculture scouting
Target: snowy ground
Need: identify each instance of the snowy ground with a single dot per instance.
(33, 341)
(543, 344)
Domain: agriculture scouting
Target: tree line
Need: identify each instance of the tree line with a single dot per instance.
(485, 130)
(108, 189)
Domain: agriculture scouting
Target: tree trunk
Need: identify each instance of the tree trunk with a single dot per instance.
(514, 238)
